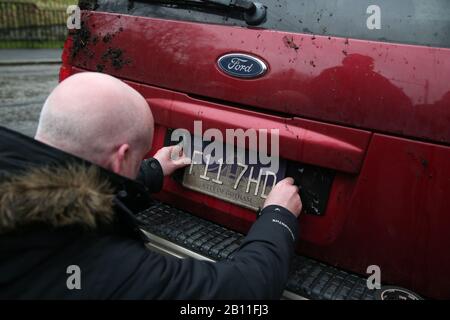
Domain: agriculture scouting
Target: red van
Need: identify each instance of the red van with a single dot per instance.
(360, 94)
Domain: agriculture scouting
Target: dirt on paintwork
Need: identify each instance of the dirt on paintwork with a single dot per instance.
(424, 162)
(115, 57)
(100, 67)
(289, 42)
(107, 38)
(94, 39)
(81, 39)
(84, 41)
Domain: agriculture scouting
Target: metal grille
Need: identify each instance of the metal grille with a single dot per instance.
(308, 278)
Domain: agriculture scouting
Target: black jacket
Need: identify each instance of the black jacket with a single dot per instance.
(57, 210)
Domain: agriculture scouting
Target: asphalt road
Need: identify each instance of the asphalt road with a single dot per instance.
(23, 90)
(29, 55)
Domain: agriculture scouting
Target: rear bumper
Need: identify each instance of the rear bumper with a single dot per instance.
(178, 233)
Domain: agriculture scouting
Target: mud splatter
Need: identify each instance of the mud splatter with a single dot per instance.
(424, 163)
(100, 67)
(81, 39)
(289, 42)
(83, 42)
(107, 38)
(115, 57)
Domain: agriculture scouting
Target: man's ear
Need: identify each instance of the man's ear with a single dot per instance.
(118, 164)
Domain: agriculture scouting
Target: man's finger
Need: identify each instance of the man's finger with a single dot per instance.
(288, 180)
(182, 161)
(176, 152)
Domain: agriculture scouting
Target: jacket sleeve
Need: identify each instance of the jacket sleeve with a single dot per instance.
(258, 270)
(151, 175)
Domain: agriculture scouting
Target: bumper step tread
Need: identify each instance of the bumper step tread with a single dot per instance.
(308, 278)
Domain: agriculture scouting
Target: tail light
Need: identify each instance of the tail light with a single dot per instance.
(66, 67)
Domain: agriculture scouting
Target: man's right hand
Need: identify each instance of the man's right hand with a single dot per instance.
(285, 194)
(171, 158)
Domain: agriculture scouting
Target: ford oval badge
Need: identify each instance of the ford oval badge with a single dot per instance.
(241, 65)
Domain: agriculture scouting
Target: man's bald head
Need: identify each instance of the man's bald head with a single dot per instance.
(96, 116)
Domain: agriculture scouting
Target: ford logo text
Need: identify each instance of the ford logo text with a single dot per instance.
(241, 65)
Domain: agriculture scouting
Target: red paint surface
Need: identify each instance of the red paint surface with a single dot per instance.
(389, 201)
(394, 88)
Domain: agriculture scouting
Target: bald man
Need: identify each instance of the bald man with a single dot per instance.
(68, 200)
(101, 119)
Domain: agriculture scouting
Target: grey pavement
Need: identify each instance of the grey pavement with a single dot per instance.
(29, 56)
(23, 90)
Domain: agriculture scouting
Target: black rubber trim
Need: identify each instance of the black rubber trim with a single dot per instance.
(309, 278)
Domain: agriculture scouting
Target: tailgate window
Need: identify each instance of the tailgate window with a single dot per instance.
(422, 22)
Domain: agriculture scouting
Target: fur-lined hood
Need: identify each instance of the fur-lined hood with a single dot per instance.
(41, 185)
(56, 196)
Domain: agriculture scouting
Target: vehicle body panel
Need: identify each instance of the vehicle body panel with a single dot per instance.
(392, 88)
(376, 113)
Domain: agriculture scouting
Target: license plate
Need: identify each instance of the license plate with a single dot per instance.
(244, 184)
